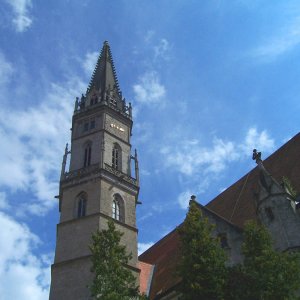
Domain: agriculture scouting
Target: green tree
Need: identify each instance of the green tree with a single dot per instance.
(202, 264)
(112, 279)
(265, 274)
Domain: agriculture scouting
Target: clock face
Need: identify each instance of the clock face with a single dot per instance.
(112, 125)
(116, 127)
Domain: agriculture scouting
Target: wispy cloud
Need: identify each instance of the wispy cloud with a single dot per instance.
(203, 164)
(149, 35)
(149, 89)
(162, 49)
(22, 19)
(184, 199)
(259, 140)
(89, 62)
(190, 157)
(6, 70)
(32, 140)
(23, 275)
(3, 201)
(142, 247)
(145, 216)
(287, 39)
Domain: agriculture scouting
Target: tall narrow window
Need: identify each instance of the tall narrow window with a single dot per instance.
(92, 126)
(118, 211)
(81, 208)
(85, 127)
(87, 155)
(117, 157)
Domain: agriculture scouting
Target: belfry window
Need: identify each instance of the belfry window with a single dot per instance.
(118, 212)
(113, 101)
(92, 124)
(87, 155)
(117, 157)
(81, 208)
(85, 127)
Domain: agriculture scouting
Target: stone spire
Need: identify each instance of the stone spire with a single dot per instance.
(104, 79)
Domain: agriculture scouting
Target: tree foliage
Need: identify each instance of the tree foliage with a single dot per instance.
(202, 264)
(265, 274)
(112, 279)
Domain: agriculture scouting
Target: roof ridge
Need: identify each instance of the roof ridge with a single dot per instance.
(159, 242)
(216, 214)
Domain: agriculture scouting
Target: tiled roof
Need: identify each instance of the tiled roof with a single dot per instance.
(163, 255)
(145, 276)
(236, 204)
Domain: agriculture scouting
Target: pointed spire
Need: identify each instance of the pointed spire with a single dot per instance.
(104, 77)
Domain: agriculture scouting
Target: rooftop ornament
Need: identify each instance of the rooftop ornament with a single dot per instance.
(256, 156)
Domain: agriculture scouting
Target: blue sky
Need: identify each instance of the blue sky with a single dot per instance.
(208, 80)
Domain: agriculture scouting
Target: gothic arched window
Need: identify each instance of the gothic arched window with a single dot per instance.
(117, 157)
(87, 154)
(81, 206)
(118, 211)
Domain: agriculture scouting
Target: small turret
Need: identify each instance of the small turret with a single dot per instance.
(276, 210)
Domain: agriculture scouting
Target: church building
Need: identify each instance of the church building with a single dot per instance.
(263, 194)
(100, 186)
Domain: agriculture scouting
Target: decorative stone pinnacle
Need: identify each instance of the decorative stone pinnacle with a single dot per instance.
(256, 156)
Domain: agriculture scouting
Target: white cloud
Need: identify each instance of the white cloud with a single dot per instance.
(145, 216)
(189, 156)
(143, 132)
(256, 140)
(149, 90)
(6, 70)
(149, 35)
(142, 247)
(161, 50)
(3, 201)
(203, 164)
(33, 143)
(184, 199)
(145, 172)
(89, 62)
(22, 19)
(286, 40)
(23, 275)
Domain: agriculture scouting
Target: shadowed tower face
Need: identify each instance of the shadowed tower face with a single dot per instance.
(98, 185)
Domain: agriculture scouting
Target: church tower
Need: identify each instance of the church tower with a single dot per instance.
(99, 185)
